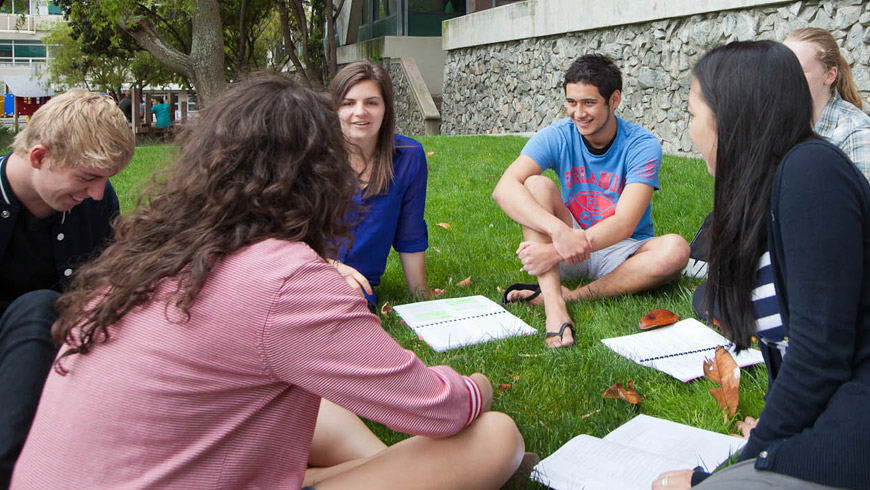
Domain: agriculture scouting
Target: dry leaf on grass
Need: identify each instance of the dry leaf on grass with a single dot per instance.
(623, 393)
(502, 387)
(386, 309)
(658, 318)
(465, 282)
(429, 154)
(724, 370)
(434, 293)
(446, 226)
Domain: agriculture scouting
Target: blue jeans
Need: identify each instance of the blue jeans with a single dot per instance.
(27, 352)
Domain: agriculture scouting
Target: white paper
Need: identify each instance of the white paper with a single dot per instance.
(633, 455)
(678, 350)
(455, 322)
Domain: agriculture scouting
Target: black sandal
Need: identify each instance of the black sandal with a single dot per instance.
(521, 286)
(561, 331)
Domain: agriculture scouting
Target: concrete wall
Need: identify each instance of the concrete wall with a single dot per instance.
(507, 77)
(426, 51)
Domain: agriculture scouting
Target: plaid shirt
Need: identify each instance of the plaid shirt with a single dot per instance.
(848, 127)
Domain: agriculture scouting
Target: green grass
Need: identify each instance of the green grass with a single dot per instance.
(554, 395)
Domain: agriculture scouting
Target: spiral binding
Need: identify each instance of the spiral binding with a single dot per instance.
(460, 319)
(727, 346)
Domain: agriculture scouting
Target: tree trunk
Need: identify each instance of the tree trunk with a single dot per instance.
(204, 65)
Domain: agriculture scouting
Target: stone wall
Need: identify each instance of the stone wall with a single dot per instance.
(409, 117)
(517, 86)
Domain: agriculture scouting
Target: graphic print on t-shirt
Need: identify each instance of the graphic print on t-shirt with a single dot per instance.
(590, 207)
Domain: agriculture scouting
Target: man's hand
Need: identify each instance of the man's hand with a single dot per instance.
(538, 258)
(572, 244)
(352, 277)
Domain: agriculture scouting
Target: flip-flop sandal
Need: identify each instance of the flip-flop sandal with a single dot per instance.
(565, 325)
(521, 286)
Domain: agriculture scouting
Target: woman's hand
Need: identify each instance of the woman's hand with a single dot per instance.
(746, 426)
(352, 277)
(673, 480)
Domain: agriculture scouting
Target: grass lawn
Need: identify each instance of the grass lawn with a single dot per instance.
(553, 395)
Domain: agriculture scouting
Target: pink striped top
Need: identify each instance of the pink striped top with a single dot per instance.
(230, 398)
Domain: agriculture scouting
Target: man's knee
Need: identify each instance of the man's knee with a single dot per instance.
(542, 187)
(673, 254)
(31, 314)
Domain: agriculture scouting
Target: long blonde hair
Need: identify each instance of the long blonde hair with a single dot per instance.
(828, 53)
(381, 175)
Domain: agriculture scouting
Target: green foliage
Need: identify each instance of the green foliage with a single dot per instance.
(553, 395)
(71, 66)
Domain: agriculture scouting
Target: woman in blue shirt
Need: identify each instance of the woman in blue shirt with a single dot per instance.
(392, 174)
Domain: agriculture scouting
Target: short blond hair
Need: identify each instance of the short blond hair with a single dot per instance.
(79, 129)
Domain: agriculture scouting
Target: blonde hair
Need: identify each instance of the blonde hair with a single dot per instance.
(828, 54)
(79, 129)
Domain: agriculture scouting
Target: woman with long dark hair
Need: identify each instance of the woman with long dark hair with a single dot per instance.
(198, 346)
(789, 264)
(392, 173)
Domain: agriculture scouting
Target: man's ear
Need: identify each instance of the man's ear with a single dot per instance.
(831, 76)
(615, 99)
(38, 156)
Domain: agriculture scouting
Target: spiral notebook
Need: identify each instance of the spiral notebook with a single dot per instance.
(455, 322)
(678, 350)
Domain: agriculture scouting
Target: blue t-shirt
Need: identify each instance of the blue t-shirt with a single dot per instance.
(591, 184)
(394, 218)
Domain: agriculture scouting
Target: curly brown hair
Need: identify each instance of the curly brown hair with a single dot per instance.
(261, 162)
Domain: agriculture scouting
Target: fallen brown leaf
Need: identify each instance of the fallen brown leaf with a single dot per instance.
(434, 293)
(628, 393)
(446, 226)
(502, 387)
(465, 282)
(386, 309)
(724, 370)
(429, 154)
(658, 318)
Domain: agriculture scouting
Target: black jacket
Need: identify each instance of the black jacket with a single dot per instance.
(78, 233)
(816, 421)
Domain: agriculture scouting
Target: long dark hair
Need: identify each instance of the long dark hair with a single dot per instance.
(260, 163)
(382, 165)
(762, 106)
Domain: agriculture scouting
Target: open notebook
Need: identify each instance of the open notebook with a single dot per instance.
(678, 350)
(455, 322)
(633, 455)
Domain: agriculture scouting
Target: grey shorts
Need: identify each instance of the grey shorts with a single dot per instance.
(602, 262)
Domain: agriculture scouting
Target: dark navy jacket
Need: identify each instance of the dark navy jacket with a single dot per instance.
(76, 235)
(816, 420)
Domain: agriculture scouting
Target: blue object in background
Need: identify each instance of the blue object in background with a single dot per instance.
(9, 104)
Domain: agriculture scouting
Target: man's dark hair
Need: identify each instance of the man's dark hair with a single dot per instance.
(597, 70)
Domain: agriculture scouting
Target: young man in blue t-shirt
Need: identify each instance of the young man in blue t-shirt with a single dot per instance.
(596, 223)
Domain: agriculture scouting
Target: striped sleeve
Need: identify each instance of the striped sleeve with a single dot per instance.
(475, 400)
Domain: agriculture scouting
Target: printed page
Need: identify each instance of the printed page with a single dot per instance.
(455, 322)
(678, 350)
(589, 463)
(690, 445)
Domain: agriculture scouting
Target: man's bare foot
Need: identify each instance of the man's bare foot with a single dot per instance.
(562, 336)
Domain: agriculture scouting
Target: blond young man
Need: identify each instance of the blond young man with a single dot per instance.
(56, 208)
